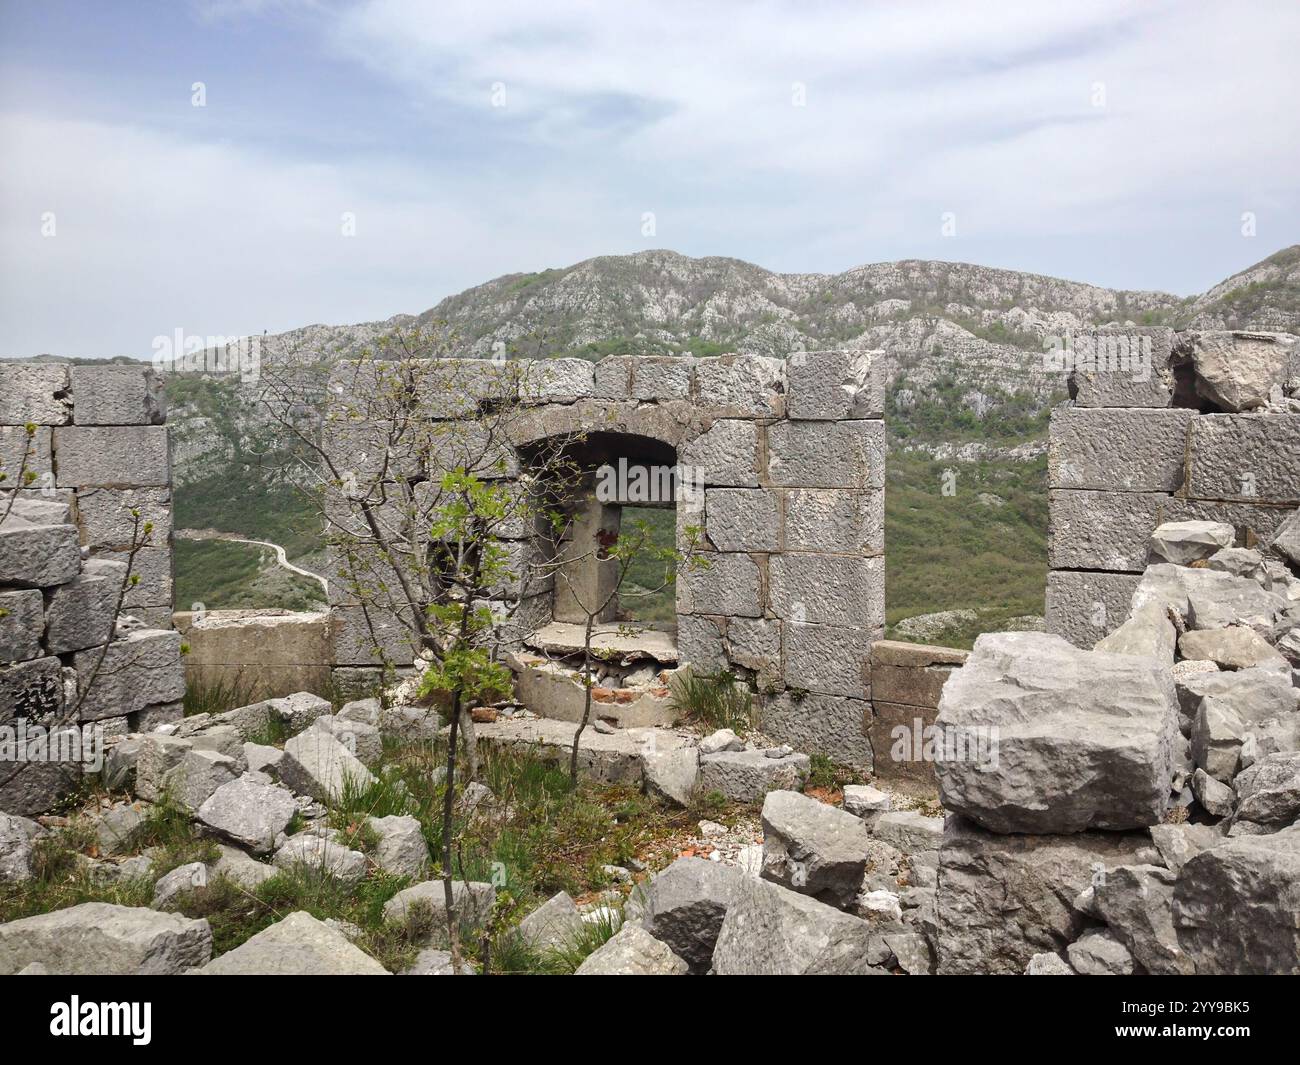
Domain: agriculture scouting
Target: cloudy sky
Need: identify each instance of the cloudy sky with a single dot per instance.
(355, 160)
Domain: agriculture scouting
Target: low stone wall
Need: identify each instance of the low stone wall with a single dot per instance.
(261, 654)
(1129, 454)
(906, 682)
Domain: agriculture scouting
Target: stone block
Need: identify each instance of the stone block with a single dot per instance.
(105, 518)
(144, 669)
(726, 454)
(21, 454)
(832, 385)
(368, 636)
(833, 725)
(117, 395)
(22, 623)
(1245, 457)
(658, 378)
(1236, 371)
(1102, 530)
(80, 613)
(1252, 523)
(556, 380)
(1117, 450)
(900, 735)
(1083, 607)
(101, 939)
(755, 643)
(751, 386)
(828, 659)
(746, 776)
(835, 520)
(828, 590)
(729, 584)
(32, 690)
(911, 673)
(112, 456)
(38, 556)
(699, 643)
(613, 377)
(1121, 367)
(298, 945)
(156, 587)
(812, 454)
(743, 519)
(34, 393)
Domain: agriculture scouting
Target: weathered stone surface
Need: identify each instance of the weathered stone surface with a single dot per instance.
(684, 906)
(1003, 899)
(22, 623)
(1217, 735)
(106, 521)
(747, 776)
(1255, 695)
(300, 709)
(1177, 843)
(16, 836)
(33, 393)
(744, 385)
(249, 813)
(434, 962)
(743, 519)
(1244, 457)
(726, 454)
(699, 643)
(117, 395)
(112, 456)
(1100, 954)
(143, 669)
(849, 454)
(632, 951)
(1286, 540)
(911, 673)
(32, 690)
(317, 764)
(1234, 647)
(238, 867)
(1121, 367)
(1215, 797)
(402, 849)
(1101, 530)
(1148, 634)
(828, 590)
(555, 924)
(1185, 542)
(827, 659)
(912, 952)
(101, 939)
(755, 643)
(360, 739)
(322, 857)
(197, 775)
(180, 880)
(771, 930)
(1235, 371)
(909, 831)
(21, 454)
(813, 848)
(1048, 964)
(835, 384)
(835, 519)
(1083, 739)
(672, 774)
(1083, 607)
(38, 556)
(834, 725)
(1117, 450)
(80, 613)
(862, 800)
(299, 945)
(425, 905)
(1235, 906)
(1136, 901)
(729, 584)
(1268, 792)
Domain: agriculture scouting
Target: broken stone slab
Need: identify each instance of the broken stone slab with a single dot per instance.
(249, 813)
(1217, 736)
(552, 690)
(1185, 542)
(1216, 592)
(554, 925)
(864, 801)
(1148, 634)
(1254, 695)
(625, 642)
(181, 879)
(813, 848)
(1240, 562)
(1178, 843)
(909, 831)
(721, 740)
(632, 951)
(318, 765)
(1235, 647)
(117, 827)
(1080, 739)
(747, 776)
(1286, 540)
(672, 774)
(1268, 793)
(298, 945)
(221, 739)
(197, 777)
(322, 857)
(1136, 901)
(1002, 899)
(1100, 954)
(263, 759)
(402, 849)
(685, 905)
(1235, 906)
(1085, 606)
(1234, 370)
(362, 740)
(102, 939)
(911, 952)
(300, 709)
(1215, 797)
(771, 930)
(423, 907)
(38, 556)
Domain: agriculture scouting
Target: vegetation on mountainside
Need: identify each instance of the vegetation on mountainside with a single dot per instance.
(232, 576)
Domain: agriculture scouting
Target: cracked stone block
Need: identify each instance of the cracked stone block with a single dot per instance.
(117, 395)
(726, 455)
(833, 725)
(835, 519)
(830, 385)
(743, 519)
(828, 659)
(155, 589)
(1084, 607)
(1102, 530)
(22, 623)
(80, 613)
(741, 385)
(828, 589)
(812, 454)
(699, 643)
(20, 452)
(746, 776)
(755, 643)
(32, 690)
(104, 515)
(144, 669)
(1126, 367)
(38, 556)
(730, 584)
(1245, 457)
(124, 455)
(1236, 371)
(649, 378)
(556, 380)
(36, 394)
(1117, 450)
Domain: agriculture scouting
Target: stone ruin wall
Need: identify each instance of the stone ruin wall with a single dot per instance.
(790, 454)
(99, 449)
(1130, 454)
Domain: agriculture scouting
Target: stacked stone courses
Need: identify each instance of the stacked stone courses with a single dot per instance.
(99, 447)
(790, 456)
(1141, 446)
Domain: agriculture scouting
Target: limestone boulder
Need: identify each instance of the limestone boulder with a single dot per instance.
(813, 848)
(554, 925)
(317, 764)
(747, 776)
(1268, 793)
(402, 849)
(317, 856)
(298, 945)
(1100, 954)
(1148, 633)
(102, 939)
(423, 906)
(1236, 371)
(1232, 647)
(1185, 542)
(632, 951)
(1080, 739)
(1136, 902)
(685, 906)
(17, 834)
(249, 813)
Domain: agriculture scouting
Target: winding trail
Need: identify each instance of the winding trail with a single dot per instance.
(280, 557)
